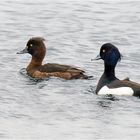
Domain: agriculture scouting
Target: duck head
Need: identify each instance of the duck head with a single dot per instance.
(110, 54)
(36, 47)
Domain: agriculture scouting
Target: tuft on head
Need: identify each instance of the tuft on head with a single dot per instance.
(37, 38)
(110, 54)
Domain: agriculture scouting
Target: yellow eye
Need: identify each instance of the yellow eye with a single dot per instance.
(31, 45)
(103, 51)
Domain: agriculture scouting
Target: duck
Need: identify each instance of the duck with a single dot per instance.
(37, 49)
(109, 84)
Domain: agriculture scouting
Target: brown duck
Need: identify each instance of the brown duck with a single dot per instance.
(36, 47)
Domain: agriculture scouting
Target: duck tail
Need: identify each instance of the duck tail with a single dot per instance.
(87, 77)
(82, 76)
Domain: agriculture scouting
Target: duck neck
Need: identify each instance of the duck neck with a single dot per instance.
(35, 63)
(109, 71)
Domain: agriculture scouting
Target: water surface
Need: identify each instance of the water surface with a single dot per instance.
(74, 31)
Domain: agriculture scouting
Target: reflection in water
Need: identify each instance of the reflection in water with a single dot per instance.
(107, 100)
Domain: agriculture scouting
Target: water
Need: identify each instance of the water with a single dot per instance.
(74, 31)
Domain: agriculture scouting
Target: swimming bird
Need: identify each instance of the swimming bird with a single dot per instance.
(37, 49)
(109, 83)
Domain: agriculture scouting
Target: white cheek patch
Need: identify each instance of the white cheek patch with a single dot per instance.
(116, 91)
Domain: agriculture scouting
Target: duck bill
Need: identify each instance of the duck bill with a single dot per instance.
(23, 51)
(98, 57)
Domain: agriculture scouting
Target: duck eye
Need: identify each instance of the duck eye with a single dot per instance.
(31, 45)
(103, 50)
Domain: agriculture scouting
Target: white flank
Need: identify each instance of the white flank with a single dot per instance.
(116, 91)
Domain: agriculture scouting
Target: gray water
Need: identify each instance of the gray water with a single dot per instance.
(74, 30)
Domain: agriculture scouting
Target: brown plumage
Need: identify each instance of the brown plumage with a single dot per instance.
(36, 47)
